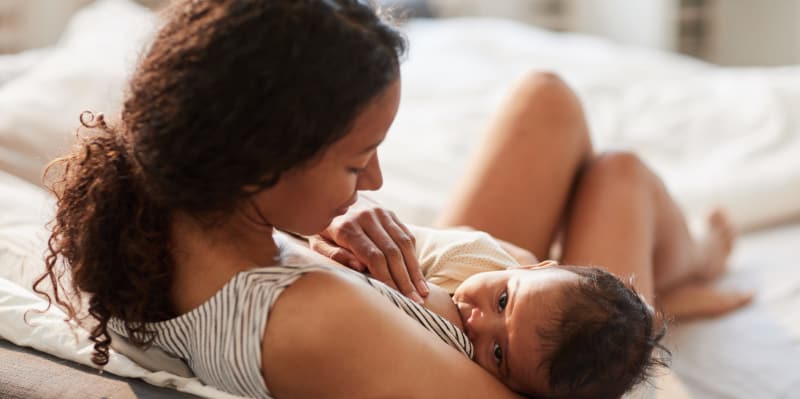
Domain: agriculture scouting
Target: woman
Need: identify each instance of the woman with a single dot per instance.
(244, 117)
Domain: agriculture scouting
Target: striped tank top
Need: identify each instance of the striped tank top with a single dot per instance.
(220, 340)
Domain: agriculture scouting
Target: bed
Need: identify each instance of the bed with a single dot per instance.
(718, 136)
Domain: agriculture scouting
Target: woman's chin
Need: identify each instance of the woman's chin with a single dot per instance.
(309, 229)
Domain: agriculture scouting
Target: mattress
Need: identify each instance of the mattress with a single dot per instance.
(29, 374)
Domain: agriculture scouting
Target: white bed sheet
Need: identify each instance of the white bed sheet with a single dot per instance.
(718, 136)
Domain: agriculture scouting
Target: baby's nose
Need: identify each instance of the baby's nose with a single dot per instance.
(475, 324)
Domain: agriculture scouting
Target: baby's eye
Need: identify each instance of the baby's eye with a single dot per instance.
(498, 354)
(501, 304)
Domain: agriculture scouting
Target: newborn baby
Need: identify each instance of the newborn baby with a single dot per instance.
(545, 330)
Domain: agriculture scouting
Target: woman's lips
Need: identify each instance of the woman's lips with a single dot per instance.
(343, 209)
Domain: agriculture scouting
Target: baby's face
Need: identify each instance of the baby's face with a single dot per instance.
(502, 312)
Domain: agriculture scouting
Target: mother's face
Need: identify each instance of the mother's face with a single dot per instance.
(307, 198)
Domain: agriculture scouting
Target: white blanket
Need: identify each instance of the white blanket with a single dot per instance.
(718, 136)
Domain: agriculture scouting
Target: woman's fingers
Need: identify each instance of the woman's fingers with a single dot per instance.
(408, 245)
(377, 240)
(393, 262)
(331, 250)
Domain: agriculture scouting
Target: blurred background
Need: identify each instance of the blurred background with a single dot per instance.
(726, 32)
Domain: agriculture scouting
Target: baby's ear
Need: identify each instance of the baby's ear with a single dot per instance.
(540, 265)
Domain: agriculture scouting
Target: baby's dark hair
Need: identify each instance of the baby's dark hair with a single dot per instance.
(604, 340)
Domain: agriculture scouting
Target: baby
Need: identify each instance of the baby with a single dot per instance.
(545, 330)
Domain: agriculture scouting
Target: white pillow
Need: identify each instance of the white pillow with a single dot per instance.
(24, 211)
(86, 70)
(14, 65)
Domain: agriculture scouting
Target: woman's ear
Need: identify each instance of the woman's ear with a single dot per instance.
(540, 265)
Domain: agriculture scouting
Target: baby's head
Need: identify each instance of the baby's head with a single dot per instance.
(553, 331)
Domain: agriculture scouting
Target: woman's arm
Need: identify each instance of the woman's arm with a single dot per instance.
(330, 336)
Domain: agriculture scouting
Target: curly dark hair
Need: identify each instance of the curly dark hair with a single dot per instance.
(229, 95)
(605, 340)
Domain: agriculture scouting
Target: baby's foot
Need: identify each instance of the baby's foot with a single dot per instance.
(714, 247)
(697, 299)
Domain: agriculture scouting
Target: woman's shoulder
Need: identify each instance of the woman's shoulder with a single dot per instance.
(332, 329)
(315, 316)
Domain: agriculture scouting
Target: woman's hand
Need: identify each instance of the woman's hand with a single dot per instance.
(371, 239)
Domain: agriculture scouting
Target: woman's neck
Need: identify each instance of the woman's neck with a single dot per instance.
(207, 257)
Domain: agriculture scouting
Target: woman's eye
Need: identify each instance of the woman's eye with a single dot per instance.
(501, 304)
(498, 354)
(355, 171)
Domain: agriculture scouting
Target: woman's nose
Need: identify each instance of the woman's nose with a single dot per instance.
(371, 178)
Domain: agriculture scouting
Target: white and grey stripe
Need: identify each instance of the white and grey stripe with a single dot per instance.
(221, 339)
(440, 326)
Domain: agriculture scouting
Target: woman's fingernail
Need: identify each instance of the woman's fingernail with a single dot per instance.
(416, 298)
(423, 287)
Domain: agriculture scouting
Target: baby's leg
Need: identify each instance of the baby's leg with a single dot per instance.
(518, 184)
(624, 219)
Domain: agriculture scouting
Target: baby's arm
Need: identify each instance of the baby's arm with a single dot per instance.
(522, 255)
(447, 257)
